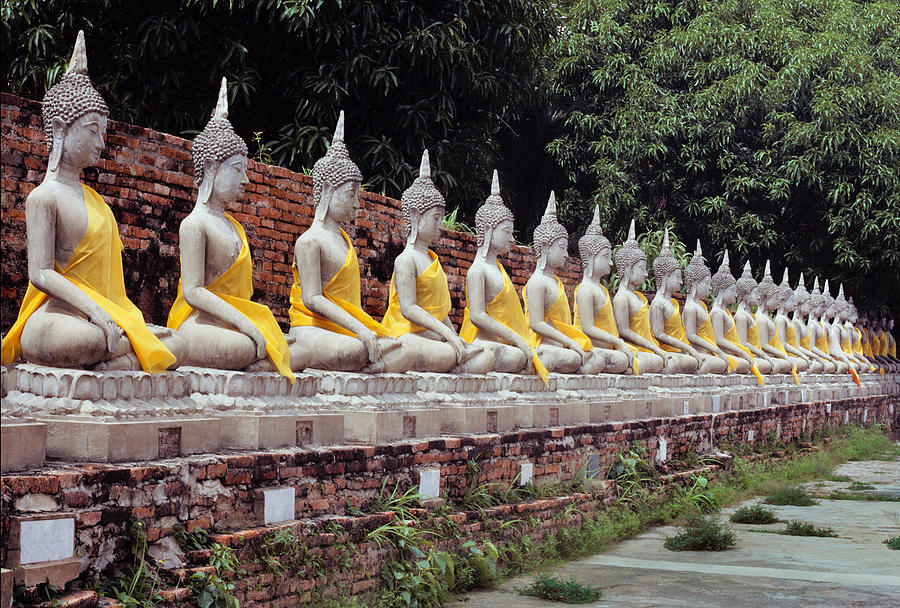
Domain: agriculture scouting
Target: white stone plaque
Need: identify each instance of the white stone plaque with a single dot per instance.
(717, 403)
(526, 473)
(865, 414)
(430, 483)
(846, 416)
(46, 540)
(278, 505)
(827, 408)
(687, 408)
(750, 435)
(661, 453)
(803, 395)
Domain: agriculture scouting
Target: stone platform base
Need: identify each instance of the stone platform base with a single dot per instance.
(132, 416)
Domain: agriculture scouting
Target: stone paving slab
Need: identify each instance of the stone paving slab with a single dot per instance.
(763, 570)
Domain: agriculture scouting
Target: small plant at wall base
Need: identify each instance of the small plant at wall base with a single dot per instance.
(804, 528)
(755, 514)
(893, 543)
(794, 496)
(554, 589)
(701, 533)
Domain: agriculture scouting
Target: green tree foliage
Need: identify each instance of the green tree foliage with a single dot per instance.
(455, 76)
(771, 127)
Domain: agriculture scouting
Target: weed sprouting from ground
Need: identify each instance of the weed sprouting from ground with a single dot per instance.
(794, 496)
(702, 534)
(755, 514)
(893, 543)
(804, 528)
(554, 589)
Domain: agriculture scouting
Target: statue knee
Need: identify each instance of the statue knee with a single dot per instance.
(763, 366)
(743, 367)
(801, 364)
(713, 365)
(62, 341)
(616, 363)
(481, 363)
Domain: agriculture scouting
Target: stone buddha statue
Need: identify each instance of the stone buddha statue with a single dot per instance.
(329, 328)
(747, 292)
(841, 335)
(665, 318)
(802, 302)
(788, 333)
(770, 298)
(818, 332)
(697, 323)
(493, 317)
(419, 301)
(887, 326)
(76, 312)
(885, 342)
(631, 310)
(851, 320)
(562, 346)
(724, 288)
(213, 310)
(593, 306)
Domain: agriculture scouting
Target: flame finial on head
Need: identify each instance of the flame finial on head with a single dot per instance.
(746, 283)
(665, 263)
(78, 62)
(723, 279)
(629, 253)
(696, 269)
(335, 168)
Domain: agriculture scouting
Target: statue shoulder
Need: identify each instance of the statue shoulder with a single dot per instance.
(45, 195)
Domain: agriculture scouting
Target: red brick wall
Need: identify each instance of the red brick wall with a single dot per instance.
(147, 179)
(217, 491)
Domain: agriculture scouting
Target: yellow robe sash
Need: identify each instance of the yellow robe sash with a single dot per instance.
(805, 341)
(776, 343)
(822, 342)
(867, 347)
(605, 320)
(674, 326)
(506, 309)
(790, 335)
(235, 286)
(857, 341)
(753, 333)
(705, 332)
(893, 349)
(640, 324)
(95, 268)
(343, 290)
(559, 315)
(432, 294)
(882, 344)
(732, 336)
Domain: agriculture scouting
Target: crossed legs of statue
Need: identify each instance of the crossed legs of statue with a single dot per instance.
(58, 336)
(566, 361)
(433, 356)
(507, 359)
(324, 349)
(681, 363)
(781, 366)
(650, 363)
(611, 361)
(212, 345)
(712, 365)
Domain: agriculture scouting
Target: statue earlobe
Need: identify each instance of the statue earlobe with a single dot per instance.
(486, 242)
(206, 186)
(324, 201)
(413, 225)
(58, 129)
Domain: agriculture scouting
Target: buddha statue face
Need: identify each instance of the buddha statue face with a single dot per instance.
(671, 282)
(602, 262)
(775, 300)
(728, 295)
(752, 299)
(636, 274)
(428, 223)
(81, 142)
(500, 237)
(595, 249)
(556, 253)
(342, 202)
(703, 287)
(229, 179)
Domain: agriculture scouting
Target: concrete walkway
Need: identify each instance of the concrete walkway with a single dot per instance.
(762, 570)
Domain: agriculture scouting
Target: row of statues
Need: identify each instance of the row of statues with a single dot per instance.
(76, 314)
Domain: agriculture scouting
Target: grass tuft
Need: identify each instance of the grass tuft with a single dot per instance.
(755, 514)
(557, 590)
(794, 496)
(701, 534)
(893, 543)
(804, 528)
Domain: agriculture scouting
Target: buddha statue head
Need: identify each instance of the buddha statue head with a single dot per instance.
(746, 288)
(841, 306)
(74, 116)
(816, 300)
(697, 277)
(551, 239)
(723, 285)
(852, 312)
(786, 293)
(220, 157)
(801, 298)
(769, 292)
(336, 180)
(830, 310)
(595, 249)
(666, 269)
(631, 262)
(423, 207)
(494, 222)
